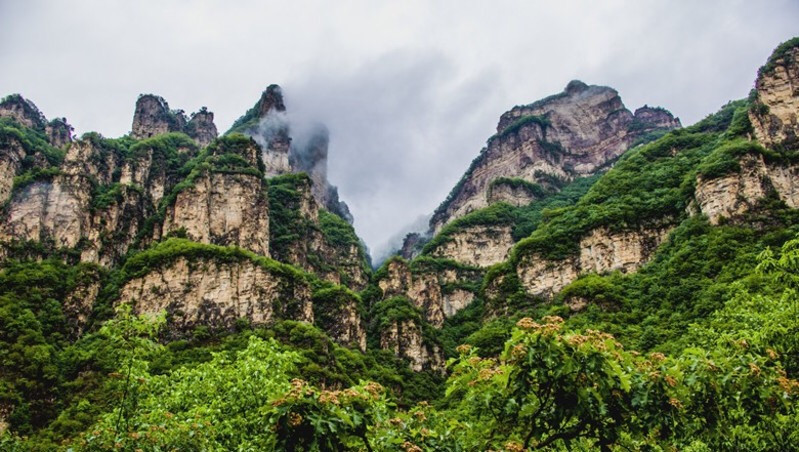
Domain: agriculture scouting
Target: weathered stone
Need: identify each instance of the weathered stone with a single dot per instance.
(478, 246)
(406, 340)
(434, 292)
(214, 294)
(735, 194)
(601, 251)
(775, 110)
(201, 127)
(575, 133)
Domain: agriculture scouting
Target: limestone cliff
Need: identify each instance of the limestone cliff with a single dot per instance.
(406, 340)
(574, 133)
(477, 246)
(224, 205)
(94, 203)
(733, 195)
(439, 289)
(12, 155)
(600, 251)
(776, 104)
(23, 111)
(206, 291)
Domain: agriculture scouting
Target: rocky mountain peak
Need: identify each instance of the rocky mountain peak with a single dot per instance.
(154, 117)
(23, 111)
(575, 86)
(201, 127)
(656, 118)
(271, 99)
(571, 134)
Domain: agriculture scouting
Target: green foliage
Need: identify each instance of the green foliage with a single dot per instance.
(782, 52)
(646, 186)
(523, 220)
(541, 121)
(725, 158)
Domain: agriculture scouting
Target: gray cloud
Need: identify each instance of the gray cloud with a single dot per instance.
(409, 90)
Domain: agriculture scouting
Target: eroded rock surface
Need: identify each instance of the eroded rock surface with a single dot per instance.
(478, 246)
(437, 292)
(216, 294)
(601, 251)
(571, 134)
(776, 107)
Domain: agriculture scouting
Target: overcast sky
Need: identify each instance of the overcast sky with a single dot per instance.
(410, 90)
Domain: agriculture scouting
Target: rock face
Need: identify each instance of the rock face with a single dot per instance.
(438, 293)
(201, 127)
(406, 340)
(511, 193)
(477, 246)
(59, 132)
(601, 251)
(22, 111)
(571, 134)
(776, 106)
(733, 195)
(153, 117)
(11, 160)
(224, 208)
(216, 294)
(96, 203)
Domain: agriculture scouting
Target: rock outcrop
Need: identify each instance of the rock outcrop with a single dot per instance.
(201, 127)
(95, 203)
(308, 247)
(571, 134)
(477, 246)
(205, 291)
(601, 251)
(733, 195)
(224, 208)
(12, 155)
(59, 132)
(406, 340)
(23, 111)
(153, 117)
(437, 290)
(776, 106)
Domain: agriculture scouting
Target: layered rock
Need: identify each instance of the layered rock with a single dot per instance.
(95, 203)
(12, 155)
(438, 291)
(153, 117)
(776, 106)
(337, 311)
(601, 251)
(571, 134)
(205, 291)
(224, 208)
(406, 340)
(733, 195)
(59, 132)
(512, 192)
(477, 246)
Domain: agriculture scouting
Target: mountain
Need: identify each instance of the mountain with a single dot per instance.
(598, 279)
